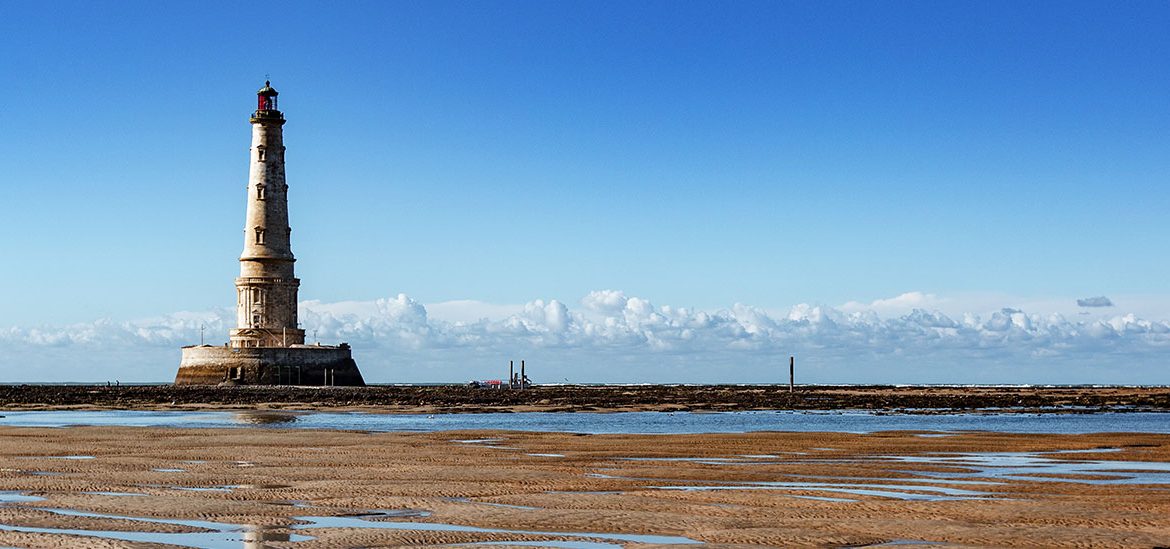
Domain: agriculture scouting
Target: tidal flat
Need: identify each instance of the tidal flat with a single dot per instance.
(116, 486)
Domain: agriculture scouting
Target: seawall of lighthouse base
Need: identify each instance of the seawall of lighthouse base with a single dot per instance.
(297, 365)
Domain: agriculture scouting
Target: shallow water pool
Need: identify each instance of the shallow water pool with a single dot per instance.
(619, 422)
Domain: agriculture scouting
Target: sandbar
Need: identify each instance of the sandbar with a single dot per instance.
(977, 489)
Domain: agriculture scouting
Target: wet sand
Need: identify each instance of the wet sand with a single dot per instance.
(461, 399)
(774, 489)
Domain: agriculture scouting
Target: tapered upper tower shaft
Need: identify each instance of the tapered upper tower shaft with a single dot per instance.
(266, 229)
(267, 288)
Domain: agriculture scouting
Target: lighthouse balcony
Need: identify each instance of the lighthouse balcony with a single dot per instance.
(267, 115)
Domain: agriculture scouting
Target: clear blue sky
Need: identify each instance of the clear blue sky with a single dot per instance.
(696, 154)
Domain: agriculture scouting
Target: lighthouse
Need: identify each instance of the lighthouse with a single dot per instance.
(267, 346)
(266, 291)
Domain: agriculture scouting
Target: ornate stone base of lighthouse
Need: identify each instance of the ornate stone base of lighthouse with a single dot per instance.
(267, 346)
(297, 365)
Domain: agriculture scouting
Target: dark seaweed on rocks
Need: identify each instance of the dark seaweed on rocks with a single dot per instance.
(457, 398)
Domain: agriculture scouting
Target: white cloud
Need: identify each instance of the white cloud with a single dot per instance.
(614, 337)
(903, 303)
(470, 310)
(605, 301)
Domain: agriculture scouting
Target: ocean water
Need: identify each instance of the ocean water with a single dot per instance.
(621, 422)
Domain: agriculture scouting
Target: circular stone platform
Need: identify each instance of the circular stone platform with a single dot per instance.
(295, 365)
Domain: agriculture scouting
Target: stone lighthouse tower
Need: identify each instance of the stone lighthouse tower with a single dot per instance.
(266, 291)
(267, 346)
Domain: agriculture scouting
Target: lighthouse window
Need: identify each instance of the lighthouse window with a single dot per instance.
(262, 154)
(259, 236)
(260, 190)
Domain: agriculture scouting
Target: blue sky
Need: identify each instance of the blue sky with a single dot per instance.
(480, 156)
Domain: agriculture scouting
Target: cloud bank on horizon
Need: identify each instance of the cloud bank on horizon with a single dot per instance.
(612, 337)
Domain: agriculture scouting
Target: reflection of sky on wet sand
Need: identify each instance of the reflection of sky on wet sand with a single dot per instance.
(964, 469)
(553, 544)
(220, 488)
(905, 492)
(902, 489)
(216, 535)
(362, 522)
(17, 497)
(1039, 467)
(71, 458)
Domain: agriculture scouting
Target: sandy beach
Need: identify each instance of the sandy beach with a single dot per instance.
(355, 489)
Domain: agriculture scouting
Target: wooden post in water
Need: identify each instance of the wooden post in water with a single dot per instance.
(791, 374)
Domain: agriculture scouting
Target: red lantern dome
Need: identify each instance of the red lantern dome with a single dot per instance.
(266, 98)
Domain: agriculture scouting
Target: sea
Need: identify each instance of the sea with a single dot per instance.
(840, 421)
